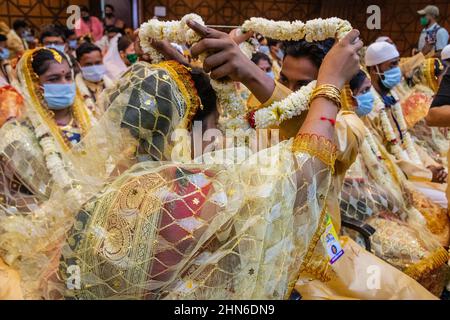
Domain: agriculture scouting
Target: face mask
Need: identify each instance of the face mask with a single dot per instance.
(365, 103)
(423, 21)
(109, 15)
(4, 54)
(86, 18)
(280, 54)
(73, 44)
(93, 73)
(264, 49)
(27, 36)
(59, 96)
(392, 77)
(59, 47)
(132, 58)
(271, 74)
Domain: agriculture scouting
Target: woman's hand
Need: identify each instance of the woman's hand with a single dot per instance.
(342, 62)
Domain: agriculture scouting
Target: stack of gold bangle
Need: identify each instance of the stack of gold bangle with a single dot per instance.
(329, 92)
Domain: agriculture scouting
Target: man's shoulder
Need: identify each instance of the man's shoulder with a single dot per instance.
(442, 31)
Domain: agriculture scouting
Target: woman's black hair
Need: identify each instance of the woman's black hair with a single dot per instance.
(42, 59)
(109, 6)
(205, 92)
(3, 37)
(357, 80)
(123, 43)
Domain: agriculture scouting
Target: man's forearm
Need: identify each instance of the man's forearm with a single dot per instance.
(260, 84)
(438, 116)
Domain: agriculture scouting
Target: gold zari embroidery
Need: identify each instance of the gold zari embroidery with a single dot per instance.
(316, 146)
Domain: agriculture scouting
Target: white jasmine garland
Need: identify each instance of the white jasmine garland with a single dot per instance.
(407, 140)
(229, 100)
(279, 111)
(51, 152)
(312, 30)
(178, 31)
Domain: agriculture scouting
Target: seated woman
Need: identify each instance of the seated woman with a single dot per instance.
(376, 193)
(54, 120)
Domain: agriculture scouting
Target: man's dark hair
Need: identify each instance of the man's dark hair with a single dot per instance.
(314, 51)
(52, 31)
(68, 32)
(123, 43)
(113, 29)
(258, 56)
(84, 9)
(272, 42)
(3, 38)
(19, 24)
(85, 48)
(109, 6)
(357, 80)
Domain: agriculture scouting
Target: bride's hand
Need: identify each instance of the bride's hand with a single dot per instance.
(341, 64)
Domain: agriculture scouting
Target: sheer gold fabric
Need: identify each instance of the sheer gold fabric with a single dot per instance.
(202, 231)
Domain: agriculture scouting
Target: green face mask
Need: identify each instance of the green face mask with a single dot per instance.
(133, 58)
(423, 21)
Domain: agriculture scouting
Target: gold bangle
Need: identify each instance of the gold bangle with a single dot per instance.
(329, 92)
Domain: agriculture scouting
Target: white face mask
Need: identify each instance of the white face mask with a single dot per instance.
(59, 47)
(94, 73)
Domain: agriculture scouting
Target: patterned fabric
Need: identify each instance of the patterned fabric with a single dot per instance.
(199, 231)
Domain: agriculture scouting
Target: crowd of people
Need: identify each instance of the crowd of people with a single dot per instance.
(99, 200)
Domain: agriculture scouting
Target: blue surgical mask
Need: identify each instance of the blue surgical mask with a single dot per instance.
(73, 44)
(392, 77)
(264, 49)
(93, 73)
(59, 47)
(4, 54)
(365, 103)
(280, 54)
(59, 96)
(271, 74)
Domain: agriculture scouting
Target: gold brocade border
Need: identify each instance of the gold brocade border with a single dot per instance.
(320, 269)
(346, 98)
(429, 73)
(79, 112)
(317, 146)
(434, 261)
(180, 74)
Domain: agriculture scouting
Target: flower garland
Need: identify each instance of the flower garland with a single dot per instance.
(285, 109)
(387, 129)
(409, 154)
(312, 30)
(173, 31)
(407, 140)
(233, 108)
(230, 102)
